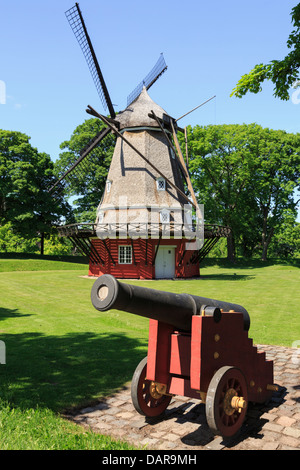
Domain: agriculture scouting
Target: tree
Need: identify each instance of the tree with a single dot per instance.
(88, 182)
(282, 73)
(245, 177)
(276, 177)
(10, 242)
(286, 241)
(220, 172)
(25, 176)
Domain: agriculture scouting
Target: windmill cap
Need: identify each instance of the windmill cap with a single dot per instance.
(136, 114)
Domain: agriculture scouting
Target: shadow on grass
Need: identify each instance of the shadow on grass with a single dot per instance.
(226, 277)
(248, 263)
(11, 313)
(34, 256)
(60, 372)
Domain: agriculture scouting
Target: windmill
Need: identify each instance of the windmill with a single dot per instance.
(144, 227)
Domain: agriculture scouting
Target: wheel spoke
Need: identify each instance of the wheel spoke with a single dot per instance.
(146, 397)
(142, 398)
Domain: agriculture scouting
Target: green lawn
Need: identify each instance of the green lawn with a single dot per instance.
(23, 262)
(61, 352)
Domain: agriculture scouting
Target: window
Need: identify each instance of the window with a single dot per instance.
(161, 184)
(164, 216)
(108, 185)
(125, 254)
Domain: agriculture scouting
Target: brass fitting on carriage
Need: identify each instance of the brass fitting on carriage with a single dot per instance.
(272, 387)
(238, 403)
(157, 390)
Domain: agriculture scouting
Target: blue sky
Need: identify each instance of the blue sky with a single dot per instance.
(207, 46)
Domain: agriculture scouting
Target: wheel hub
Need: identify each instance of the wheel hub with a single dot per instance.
(233, 403)
(157, 390)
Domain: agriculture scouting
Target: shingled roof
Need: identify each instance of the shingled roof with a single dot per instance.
(136, 114)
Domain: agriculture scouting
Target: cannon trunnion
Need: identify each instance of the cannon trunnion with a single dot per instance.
(198, 347)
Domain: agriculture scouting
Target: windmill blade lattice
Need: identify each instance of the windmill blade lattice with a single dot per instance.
(159, 68)
(77, 24)
(80, 165)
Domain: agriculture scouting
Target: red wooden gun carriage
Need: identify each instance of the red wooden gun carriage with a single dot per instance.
(198, 347)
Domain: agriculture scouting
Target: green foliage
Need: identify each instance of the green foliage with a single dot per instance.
(218, 251)
(88, 182)
(25, 176)
(282, 73)
(12, 242)
(286, 241)
(53, 245)
(245, 176)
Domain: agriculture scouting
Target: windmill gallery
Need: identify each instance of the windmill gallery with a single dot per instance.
(148, 223)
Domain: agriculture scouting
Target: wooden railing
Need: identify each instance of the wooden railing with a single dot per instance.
(142, 230)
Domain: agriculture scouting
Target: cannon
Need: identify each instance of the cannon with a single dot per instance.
(197, 347)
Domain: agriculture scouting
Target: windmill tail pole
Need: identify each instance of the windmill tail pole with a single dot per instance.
(199, 106)
(174, 309)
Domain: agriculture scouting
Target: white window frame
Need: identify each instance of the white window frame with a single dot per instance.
(164, 216)
(125, 254)
(161, 182)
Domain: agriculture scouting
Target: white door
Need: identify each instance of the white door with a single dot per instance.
(165, 263)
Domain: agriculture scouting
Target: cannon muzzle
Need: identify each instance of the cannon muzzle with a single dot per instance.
(174, 309)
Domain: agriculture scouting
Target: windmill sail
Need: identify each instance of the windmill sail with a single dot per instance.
(159, 68)
(79, 163)
(77, 24)
(76, 21)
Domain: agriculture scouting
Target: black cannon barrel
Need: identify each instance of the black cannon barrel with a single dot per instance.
(174, 309)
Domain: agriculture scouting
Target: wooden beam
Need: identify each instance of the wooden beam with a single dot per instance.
(156, 251)
(109, 253)
(186, 149)
(195, 108)
(113, 121)
(95, 253)
(189, 183)
(171, 145)
(146, 254)
(166, 122)
(132, 247)
(181, 259)
(84, 153)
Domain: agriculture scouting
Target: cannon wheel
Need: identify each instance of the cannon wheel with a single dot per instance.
(142, 397)
(222, 418)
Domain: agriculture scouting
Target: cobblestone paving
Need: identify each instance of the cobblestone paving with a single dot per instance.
(275, 426)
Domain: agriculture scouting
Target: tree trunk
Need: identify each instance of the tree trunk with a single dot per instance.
(42, 243)
(231, 247)
(264, 252)
(264, 243)
(266, 237)
(2, 206)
